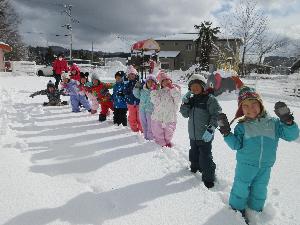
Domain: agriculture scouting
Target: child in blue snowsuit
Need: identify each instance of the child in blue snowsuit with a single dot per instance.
(119, 101)
(202, 109)
(255, 139)
(71, 86)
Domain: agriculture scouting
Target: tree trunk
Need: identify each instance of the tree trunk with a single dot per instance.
(243, 62)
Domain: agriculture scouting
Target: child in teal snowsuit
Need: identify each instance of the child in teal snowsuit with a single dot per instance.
(255, 139)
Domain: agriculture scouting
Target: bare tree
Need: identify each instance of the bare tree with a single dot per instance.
(265, 45)
(247, 22)
(9, 22)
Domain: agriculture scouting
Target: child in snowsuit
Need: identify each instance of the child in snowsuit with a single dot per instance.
(76, 97)
(166, 103)
(132, 101)
(100, 90)
(85, 90)
(142, 92)
(255, 139)
(120, 106)
(202, 109)
(53, 95)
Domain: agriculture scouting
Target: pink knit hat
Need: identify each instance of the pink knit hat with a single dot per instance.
(162, 76)
(131, 70)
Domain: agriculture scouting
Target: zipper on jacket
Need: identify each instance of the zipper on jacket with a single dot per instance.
(261, 150)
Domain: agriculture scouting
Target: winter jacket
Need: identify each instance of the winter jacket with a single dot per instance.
(101, 91)
(256, 140)
(119, 96)
(145, 102)
(166, 102)
(60, 66)
(54, 97)
(71, 87)
(202, 111)
(130, 98)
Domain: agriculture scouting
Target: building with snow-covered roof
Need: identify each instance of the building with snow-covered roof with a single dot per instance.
(184, 45)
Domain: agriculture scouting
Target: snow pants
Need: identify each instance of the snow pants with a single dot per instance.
(120, 116)
(134, 118)
(163, 133)
(201, 158)
(146, 121)
(249, 187)
(76, 100)
(105, 106)
(93, 100)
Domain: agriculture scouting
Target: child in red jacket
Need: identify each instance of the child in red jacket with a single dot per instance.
(100, 90)
(60, 65)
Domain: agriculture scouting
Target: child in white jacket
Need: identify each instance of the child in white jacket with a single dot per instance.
(166, 103)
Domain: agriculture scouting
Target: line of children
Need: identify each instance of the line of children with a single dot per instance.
(202, 109)
(255, 139)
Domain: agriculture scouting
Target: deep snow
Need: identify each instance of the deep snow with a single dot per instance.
(58, 167)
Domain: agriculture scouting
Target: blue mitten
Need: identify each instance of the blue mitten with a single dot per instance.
(208, 134)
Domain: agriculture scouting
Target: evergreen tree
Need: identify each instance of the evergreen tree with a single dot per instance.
(204, 43)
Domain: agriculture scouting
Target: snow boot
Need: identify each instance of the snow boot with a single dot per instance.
(209, 184)
(102, 118)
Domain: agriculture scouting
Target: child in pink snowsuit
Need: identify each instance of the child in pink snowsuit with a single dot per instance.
(85, 89)
(166, 103)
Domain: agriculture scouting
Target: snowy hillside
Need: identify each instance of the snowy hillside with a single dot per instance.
(62, 168)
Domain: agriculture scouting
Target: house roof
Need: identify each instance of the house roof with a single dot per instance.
(168, 54)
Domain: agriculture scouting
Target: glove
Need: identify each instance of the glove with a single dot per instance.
(208, 134)
(187, 97)
(283, 112)
(138, 85)
(223, 124)
(32, 95)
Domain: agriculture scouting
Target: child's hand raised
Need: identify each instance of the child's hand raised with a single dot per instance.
(224, 126)
(283, 112)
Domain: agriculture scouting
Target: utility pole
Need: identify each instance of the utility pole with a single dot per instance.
(92, 51)
(68, 12)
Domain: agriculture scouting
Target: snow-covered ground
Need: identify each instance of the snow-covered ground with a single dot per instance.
(57, 167)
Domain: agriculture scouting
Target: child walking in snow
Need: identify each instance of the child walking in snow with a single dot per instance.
(76, 97)
(100, 90)
(255, 139)
(53, 95)
(120, 106)
(132, 101)
(202, 109)
(142, 92)
(166, 103)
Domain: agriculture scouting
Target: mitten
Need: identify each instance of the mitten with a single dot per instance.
(283, 112)
(32, 95)
(208, 134)
(187, 97)
(223, 124)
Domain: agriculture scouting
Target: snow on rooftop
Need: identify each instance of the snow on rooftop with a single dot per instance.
(187, 37)
(168, 54)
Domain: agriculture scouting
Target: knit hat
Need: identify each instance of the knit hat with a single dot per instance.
(247, 93)
(131, 70)
(162, 76)
(65, 75)
(95, 77)
(120, 74)
(50, 84)
(197, 79)
(151, 77)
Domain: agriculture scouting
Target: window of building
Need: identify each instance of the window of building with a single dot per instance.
(189, 47)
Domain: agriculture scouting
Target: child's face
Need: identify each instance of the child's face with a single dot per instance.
(196, 89)
(65, 80)
(251, 108)
(149, 83)
(95, 82)
(83, 80)
(165, 83)
(131, 76)
(118, 79)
